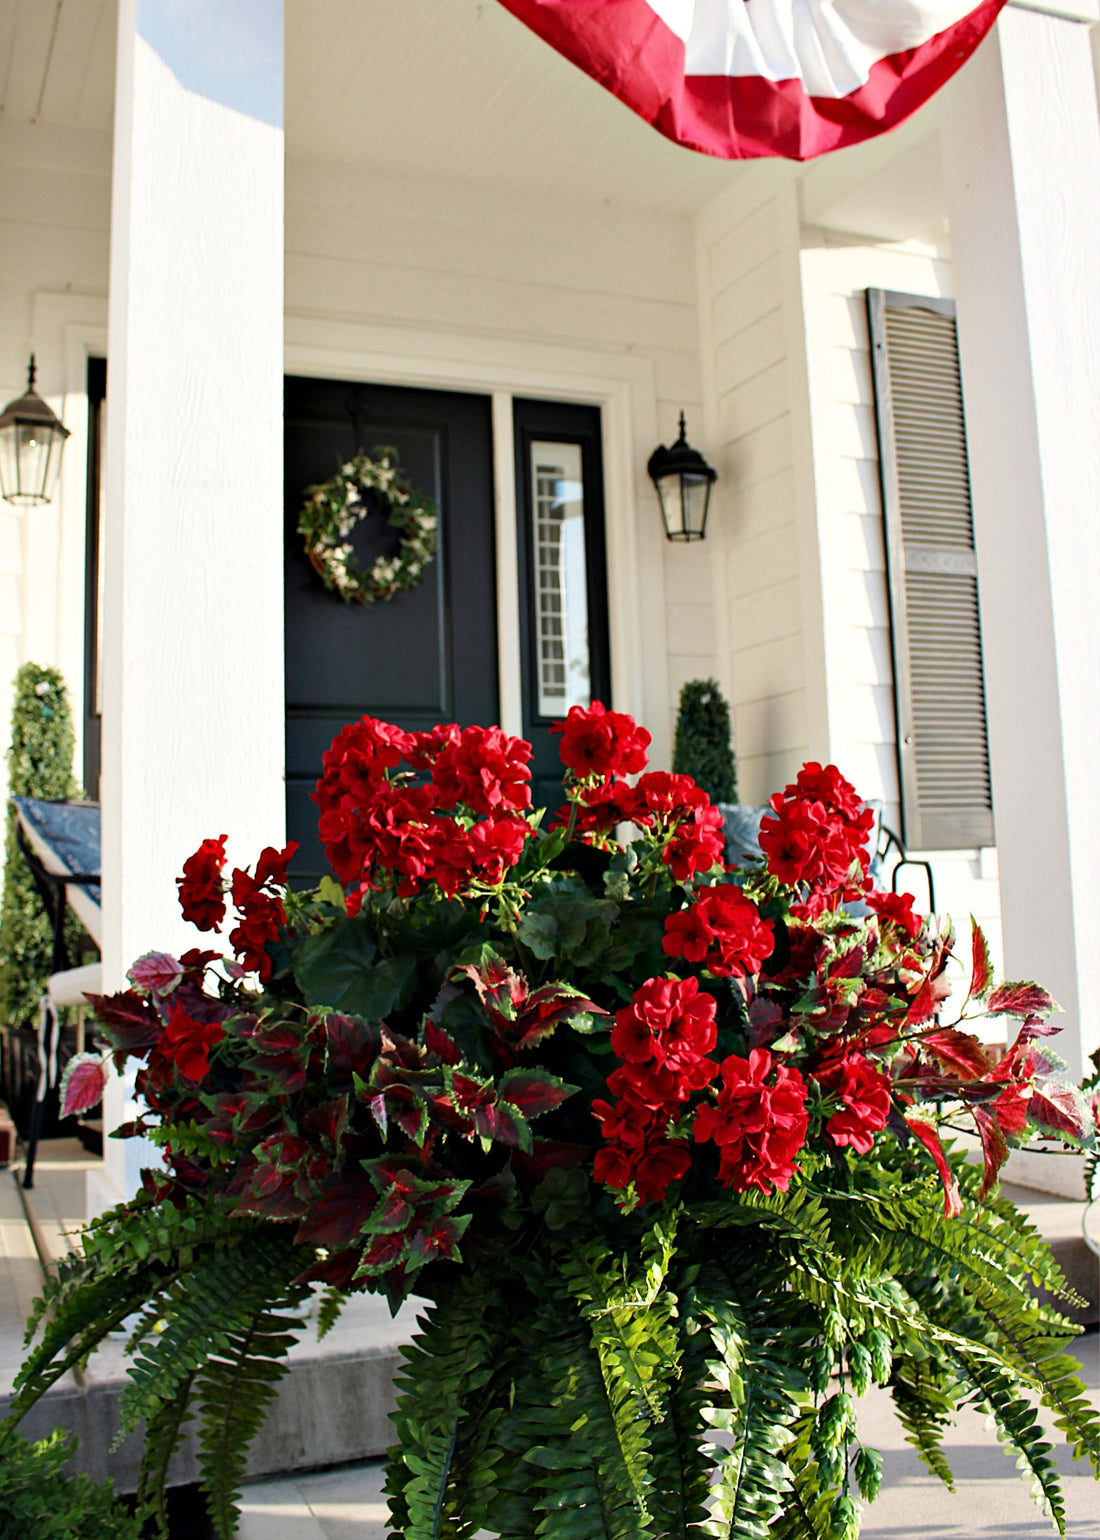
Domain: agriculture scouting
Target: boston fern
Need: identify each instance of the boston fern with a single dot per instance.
(658, 1143)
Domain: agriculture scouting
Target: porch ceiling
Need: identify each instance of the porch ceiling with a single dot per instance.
(454, 90)
(458, 89)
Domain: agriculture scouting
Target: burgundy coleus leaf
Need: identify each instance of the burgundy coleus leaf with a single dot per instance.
(928, 999)
(337, 1214)
(469, 1094)
(82, 1083)
(533, 1090)
(849, 966)
(1033, 1027)
(285, 1150)
(274, 1196)
(1020, 999)
(157, 973)
(352, 1047)
(383, 1253)
(547, 1008)
(408, 1112)
(959, 1052)
(440, 1043)
(131, 1021)
(437, 1241)
(994, 1146)
(1061, 1108)
(501, 990)
(952, 1202)
(981, 967)
(505, 1123)
(399, 1049)
(328, 1120)
(393, 1213)
(337, 1270)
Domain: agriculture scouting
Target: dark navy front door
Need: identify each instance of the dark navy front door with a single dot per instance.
(426, 656)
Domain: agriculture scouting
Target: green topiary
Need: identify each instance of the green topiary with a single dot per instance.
(40, 764)
(38, 1502)
(703, 740)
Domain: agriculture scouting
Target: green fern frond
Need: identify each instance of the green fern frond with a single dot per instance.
(162, 1436)
(233, 1390)
(759, 1345)
(926, 1397)
(328, 1311)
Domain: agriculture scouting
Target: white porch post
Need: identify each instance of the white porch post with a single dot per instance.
(1022, 167)
(193, 607)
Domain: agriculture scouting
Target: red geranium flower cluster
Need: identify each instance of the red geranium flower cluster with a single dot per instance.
(672, 806)
(722, 930)
(663, 1039)
(187, 1043)
(819, 832)
(897, 908)
(202, 892)
(759, 1123)
(259, 908)
(863, 1097)
(375, 823)
(596, 742)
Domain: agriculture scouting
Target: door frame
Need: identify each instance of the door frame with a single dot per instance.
(624, 389)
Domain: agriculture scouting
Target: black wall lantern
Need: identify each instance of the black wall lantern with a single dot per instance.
(31, 441)
(683, 480)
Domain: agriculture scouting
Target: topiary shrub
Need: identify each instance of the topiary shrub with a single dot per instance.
(703, 748)
(40, 764)
(39, 1502)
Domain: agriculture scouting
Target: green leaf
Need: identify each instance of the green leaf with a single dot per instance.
(337, 969)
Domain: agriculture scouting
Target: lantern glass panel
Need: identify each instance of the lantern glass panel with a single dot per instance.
(30, 462)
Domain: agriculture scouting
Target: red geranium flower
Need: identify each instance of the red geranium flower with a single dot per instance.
(202, 893)
(818, 833)
(698, 844)
(759, 1123)
(187, 1043)
(598, 742)
(485, 769)
(897, 908)
(864, 1097)
(670, 1021)
(723, 930)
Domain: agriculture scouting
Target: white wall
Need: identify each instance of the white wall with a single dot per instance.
(54, 219)
(763, 557)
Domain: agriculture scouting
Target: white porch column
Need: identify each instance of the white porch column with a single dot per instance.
(193, 601)
(1021, 150)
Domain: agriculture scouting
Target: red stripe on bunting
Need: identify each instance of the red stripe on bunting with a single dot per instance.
(628, 48)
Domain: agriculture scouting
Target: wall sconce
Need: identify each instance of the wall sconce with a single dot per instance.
(683, 480)
(31, 441)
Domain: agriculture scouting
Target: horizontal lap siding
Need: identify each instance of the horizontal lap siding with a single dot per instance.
(747, 330)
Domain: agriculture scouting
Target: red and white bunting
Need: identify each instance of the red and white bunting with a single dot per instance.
(743, 78)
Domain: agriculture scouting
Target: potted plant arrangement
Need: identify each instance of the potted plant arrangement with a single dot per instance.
(661, 1145)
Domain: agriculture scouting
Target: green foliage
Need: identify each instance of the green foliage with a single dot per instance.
(702, 749)
(40, 764)
(39, 1502)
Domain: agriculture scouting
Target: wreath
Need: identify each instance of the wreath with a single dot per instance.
(333, 508)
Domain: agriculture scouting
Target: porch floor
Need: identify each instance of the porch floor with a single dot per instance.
(310, 1483)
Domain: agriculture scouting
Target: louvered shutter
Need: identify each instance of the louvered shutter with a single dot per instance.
(943, 754)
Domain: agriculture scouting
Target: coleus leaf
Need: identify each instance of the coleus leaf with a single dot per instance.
(440, 1043)
(929, 997)
(82, 1083)
(383, 1253)
(1060, 1108)
(981, 970)
(547, 1008)
(994, 1146)
(952, 1203)
(437, 1240)
(1020, 999)
(337, 1215)
(959, 1052)
(533, 1091)
(501, 990)
(157, 973)
(503, 1122)
(131, 1022)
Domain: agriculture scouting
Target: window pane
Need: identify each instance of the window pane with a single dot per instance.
(561, 580)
